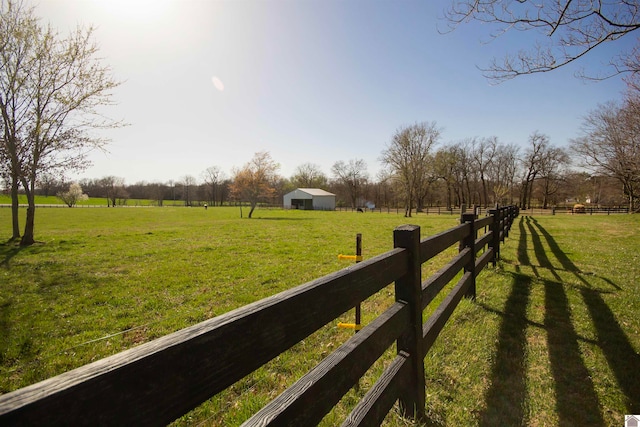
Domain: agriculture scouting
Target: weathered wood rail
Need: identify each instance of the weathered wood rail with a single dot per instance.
(157, 382)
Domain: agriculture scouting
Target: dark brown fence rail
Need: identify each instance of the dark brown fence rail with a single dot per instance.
(157, 382)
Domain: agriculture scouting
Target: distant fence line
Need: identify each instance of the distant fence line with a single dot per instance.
(441, 210)
(433, 210)
(161, 380)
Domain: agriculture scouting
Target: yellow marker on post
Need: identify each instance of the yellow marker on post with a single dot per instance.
(356, 258)
(349, 326)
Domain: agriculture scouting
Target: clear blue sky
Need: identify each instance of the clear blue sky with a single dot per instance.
(212, 82)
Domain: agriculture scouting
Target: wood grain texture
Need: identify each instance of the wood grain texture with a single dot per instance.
(438, 280)
(308, 400)
(483, 241)
(378, 401)
(432, 327)
(483, 260)
(484, 222)
(432, 246)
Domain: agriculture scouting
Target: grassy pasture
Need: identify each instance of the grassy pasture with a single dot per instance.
(552, 338)
(90, 202)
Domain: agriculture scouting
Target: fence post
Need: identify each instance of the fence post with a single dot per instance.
(470, 242)
(495, 235)
(358, 258)
(509, 219)
(409, 289)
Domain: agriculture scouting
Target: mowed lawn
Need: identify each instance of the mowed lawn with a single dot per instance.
(552, 338)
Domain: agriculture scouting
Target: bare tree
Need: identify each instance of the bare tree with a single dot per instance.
(610, 145)
(464, 173)
(531, 162)
(157, 192)
(213, 177)
(552, 165)
(502, 173)
(383, 190)
(408, 156)
(188, 185)
(351, 176)
(113, 189)
(309, 175)
(568, 29)
(482, 156)
(50, 90)
(445, 165)
(255, 181)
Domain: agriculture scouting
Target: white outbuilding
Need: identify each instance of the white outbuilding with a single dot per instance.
(310, 199)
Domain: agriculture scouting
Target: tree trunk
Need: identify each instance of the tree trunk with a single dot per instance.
(28, 236)
(253, 207)
(407, 209)
(408, 203)
(530, 194)
(15, 208)
(524, 192)
(485, 192)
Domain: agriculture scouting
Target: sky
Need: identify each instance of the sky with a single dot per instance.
(210, 83)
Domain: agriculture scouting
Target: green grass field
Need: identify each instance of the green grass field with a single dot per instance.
(90, 202)
(552, 338)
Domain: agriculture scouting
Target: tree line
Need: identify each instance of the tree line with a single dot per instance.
(419, 171)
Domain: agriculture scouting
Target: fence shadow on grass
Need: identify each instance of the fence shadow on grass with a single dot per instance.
(577, 402)
(612, 340)
(507, 394)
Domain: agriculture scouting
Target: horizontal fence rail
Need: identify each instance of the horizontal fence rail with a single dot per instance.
(157, 382)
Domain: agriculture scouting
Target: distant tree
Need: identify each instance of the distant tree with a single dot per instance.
(189, 184)
(569, 30)
(408, 157)
(309, 175)
(445, 163)
(50, 91)
(454, 165)
(383, 189)
(351, 176)
(113, 188)
(213, 177)
(482, 157)
(553, 163)
(73, 195)
(610, 145)
(92, 186)
(157, 192)
(47, 184)
(502, 173)
(255, 181)
(531, 166)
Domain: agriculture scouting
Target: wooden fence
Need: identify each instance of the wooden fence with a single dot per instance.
(159, 381)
